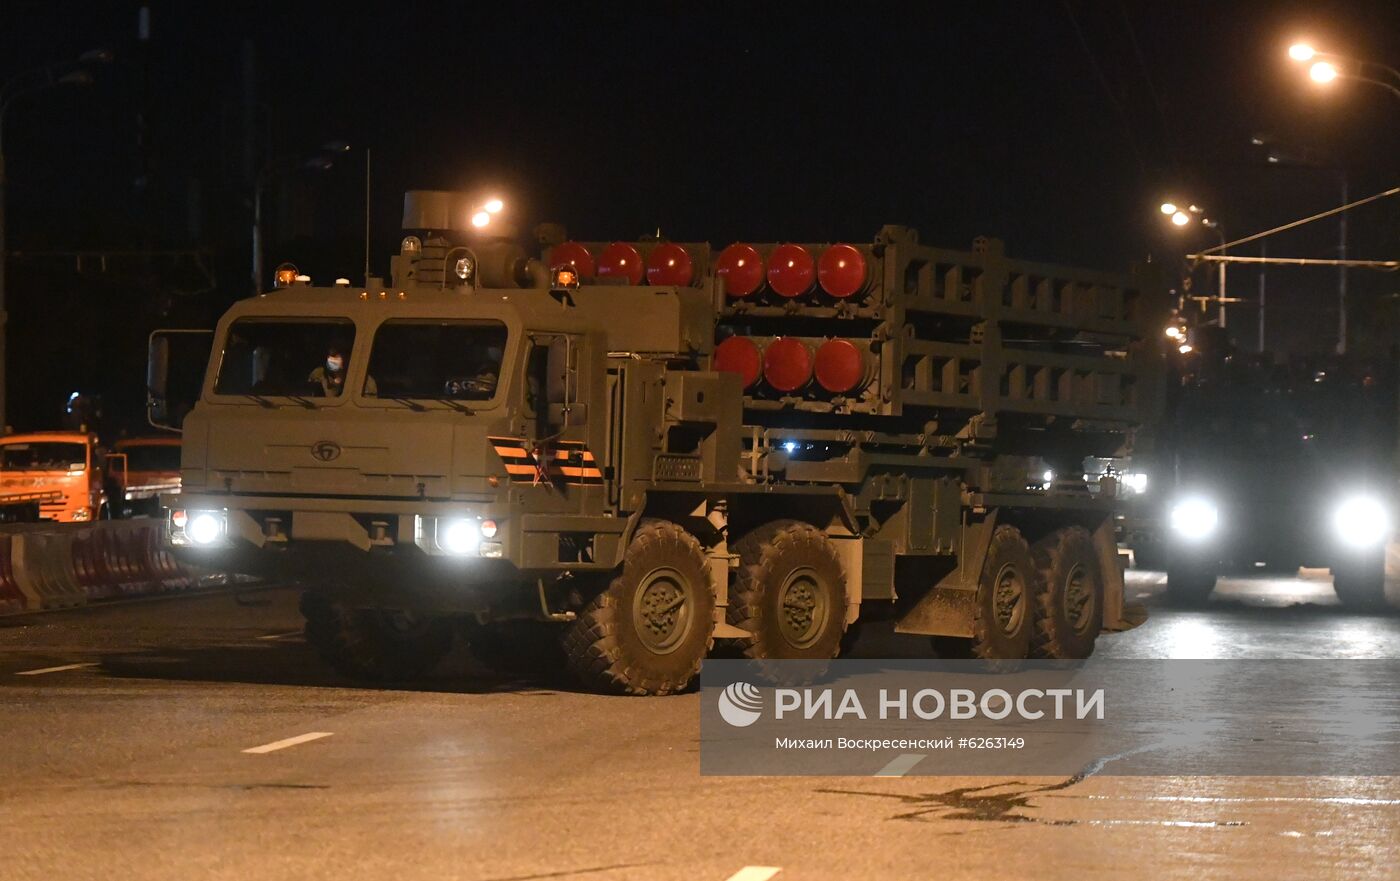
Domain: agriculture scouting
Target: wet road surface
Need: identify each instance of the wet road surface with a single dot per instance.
(200, 738)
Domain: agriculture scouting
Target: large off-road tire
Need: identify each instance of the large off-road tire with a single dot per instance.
(1003, 617)
(374, 644)
(1149, 555)
(1360, 583)
(1190, 582)
(1069, 603)
(790, 593)
(518, 648)
(649, 630)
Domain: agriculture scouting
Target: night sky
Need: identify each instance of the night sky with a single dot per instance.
(1056, 126)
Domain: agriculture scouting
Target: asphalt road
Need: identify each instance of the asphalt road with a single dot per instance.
(200, 738)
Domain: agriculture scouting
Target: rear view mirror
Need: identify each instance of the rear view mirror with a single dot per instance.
(175, 361)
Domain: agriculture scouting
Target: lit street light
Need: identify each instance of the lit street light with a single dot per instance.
(1327, 67)
(483, 215)
(1180, 219)
(1323, 72)
(65, 73)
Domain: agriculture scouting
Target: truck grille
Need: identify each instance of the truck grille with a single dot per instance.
(676, 468)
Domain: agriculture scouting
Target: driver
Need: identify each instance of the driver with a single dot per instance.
(481, 380)
(330, 376)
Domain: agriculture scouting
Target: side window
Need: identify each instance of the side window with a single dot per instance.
(536, 377)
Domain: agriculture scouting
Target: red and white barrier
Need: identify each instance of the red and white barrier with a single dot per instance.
(55, 566)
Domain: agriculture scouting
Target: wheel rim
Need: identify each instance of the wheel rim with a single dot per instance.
(661, 610)
(1079, 599)
(803, 608)
(1009, 599)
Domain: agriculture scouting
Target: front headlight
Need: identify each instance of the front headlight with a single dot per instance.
(205, 527)
(1194, 519)
(1361, 522)
(458, 536)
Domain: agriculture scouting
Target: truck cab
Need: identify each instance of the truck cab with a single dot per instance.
(145, 468)
(65, 467)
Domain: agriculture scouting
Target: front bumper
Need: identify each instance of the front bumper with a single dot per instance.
(1274, 535)
(387, 560)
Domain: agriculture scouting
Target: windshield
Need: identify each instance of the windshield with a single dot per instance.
(300, 357)
(152, 457)
(453, 360)
(45, 456)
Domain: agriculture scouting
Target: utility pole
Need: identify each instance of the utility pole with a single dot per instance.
(1222, 289)
(1263, 296)
(1342, 277)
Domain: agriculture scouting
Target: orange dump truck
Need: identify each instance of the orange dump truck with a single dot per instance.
(61, 468)
(145, 468)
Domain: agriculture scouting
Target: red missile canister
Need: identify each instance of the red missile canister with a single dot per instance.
(741, 355)
(791, 270)
(841, 271)
(620, 260)
(575, 255)
(840, 366)
(741, 268)
(787, 364)
(669, 264)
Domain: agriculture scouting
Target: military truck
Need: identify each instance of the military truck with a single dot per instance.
(1268, 467)
(625, 453)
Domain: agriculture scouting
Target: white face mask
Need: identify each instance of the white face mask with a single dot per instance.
(335, 363)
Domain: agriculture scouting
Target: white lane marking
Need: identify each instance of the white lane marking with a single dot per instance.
(1214, 799)
(53, 669)
(900, 765)
(290, 741)
(754, 873)
(280, 635)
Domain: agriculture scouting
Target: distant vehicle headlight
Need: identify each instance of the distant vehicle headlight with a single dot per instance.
(1194, 519)
(458, 536)
(1136, 481)
(205, 527)
(1361, 522)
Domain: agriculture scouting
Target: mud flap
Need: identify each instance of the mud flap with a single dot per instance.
(1117, 616)
(948, 609)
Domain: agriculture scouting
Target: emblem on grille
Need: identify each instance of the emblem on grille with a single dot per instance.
(325, 451)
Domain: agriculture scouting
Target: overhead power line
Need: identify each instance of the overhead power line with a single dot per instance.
(1297, 223)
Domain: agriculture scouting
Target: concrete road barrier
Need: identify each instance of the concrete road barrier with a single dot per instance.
(11, 597)
(54, 566)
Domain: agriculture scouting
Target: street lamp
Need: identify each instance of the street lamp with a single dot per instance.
(1323, 72)
(64, 73)
(1327, 67)
(482, 217)
(1181, 218)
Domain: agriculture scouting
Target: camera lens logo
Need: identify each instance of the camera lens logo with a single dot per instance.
(740, 704)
